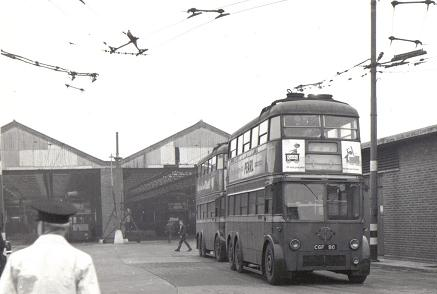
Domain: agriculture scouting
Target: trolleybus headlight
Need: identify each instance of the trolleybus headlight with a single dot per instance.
(354, 244)
(294, 244)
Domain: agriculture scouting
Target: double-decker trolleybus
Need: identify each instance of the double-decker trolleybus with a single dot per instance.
(295, 191)
(210, 203)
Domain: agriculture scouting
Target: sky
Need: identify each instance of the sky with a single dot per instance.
(222, 71)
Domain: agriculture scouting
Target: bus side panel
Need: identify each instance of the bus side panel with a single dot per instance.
(257, 229)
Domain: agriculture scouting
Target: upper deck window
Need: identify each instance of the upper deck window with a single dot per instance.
(220, 161)
(233, 148)
(311, 126)
(240, 145)
(213, 163)
(275, 128)
(255, 137)
(302, 126)
(263, 132)
(340, 127)
(246, 141)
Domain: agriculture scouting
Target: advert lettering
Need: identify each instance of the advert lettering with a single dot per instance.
(248, 167)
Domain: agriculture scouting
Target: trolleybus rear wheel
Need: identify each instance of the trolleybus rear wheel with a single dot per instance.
(238, 258)
(231, 256)
(271, 269)
(219, 250)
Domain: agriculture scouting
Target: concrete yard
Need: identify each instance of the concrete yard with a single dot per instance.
(154, 267)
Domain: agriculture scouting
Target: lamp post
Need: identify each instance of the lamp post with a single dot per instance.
(373, 181)
(2, 198)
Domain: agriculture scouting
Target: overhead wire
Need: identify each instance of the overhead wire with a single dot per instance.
(72, 73)
(234, 3)
(329, 81)
(259, 6)
(230, 14)
(185, 32)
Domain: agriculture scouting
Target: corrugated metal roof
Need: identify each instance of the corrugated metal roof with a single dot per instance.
(198, 125)
(404, 136)
(53, 141)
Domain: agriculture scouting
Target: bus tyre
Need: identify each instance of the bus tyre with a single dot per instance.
(271, 268)
(200, 246)
(238, 255)
(231, 256)
(219, 250)
(356, 279)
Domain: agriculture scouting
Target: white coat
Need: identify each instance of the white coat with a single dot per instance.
(49, 266)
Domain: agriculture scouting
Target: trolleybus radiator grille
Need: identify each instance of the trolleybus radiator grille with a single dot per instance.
(324, 260)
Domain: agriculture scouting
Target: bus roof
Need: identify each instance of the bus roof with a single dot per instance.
(220, 148)
(296, 103)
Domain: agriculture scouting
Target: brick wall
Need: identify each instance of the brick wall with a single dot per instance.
(410, 201)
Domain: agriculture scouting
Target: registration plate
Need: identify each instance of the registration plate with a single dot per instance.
(325, 247)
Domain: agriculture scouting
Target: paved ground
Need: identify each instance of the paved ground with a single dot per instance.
(153, 267)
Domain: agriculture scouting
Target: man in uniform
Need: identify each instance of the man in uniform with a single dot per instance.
(182, 236)
(50, 265)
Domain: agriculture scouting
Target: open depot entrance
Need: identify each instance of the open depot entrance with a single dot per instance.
(155, 195)
(79, 187)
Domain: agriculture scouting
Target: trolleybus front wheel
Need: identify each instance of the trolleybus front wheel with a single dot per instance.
(356, 279)
(360, 275)
(219, 249)
(238, 255)
(231, 255)
(271, 269)
(202, 247)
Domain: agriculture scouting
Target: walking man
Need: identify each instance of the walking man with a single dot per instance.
(169, 229)
(182, 236)
(50, 265)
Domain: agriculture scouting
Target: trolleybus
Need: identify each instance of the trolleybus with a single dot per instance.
(294, 194)
(210, 203)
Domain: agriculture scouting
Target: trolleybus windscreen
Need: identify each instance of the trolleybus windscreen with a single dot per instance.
(304, 201)
(343, 201)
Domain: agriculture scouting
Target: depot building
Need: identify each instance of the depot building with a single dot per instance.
(153, 185)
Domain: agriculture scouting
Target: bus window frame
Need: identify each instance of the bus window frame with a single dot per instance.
(321, 127)
(360, 203)
(247, 144)
(254, 136)
(240, 144)
(325, 203)
(233, 152)
(265, 135)
(323, 116)
(278, 130)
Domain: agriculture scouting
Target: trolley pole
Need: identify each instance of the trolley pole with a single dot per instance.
(373, 181)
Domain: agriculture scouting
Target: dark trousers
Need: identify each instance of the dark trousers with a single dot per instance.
(2, 263)
(182, 240)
